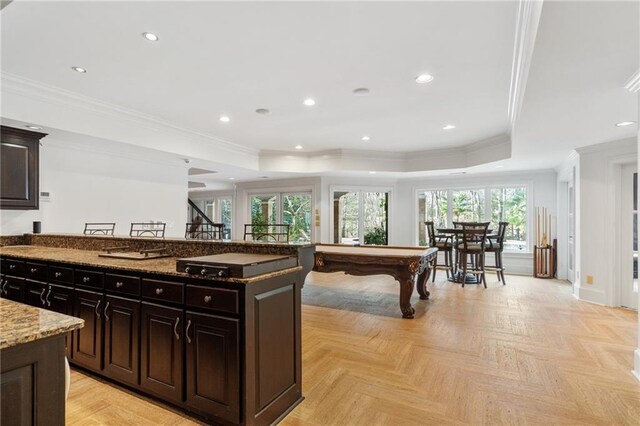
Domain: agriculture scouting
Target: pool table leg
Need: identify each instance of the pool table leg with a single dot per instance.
(406, 288)
(421, 284)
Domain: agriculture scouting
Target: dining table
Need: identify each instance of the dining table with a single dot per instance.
(456, 277)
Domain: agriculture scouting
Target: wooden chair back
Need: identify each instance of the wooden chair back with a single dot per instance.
(474, 234)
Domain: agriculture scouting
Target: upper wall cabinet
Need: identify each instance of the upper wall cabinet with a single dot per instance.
(19, 166)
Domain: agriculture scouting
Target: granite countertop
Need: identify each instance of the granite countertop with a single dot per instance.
(20, 323)
(164, 266)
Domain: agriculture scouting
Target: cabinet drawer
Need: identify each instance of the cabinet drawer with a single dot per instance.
(35, 271)
(12, 267)
(162, 290)
(122, 284)
(219, 299)
(58, 274)
(88, 278)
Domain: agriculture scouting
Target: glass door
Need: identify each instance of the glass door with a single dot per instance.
(293, 209)
(361, 217)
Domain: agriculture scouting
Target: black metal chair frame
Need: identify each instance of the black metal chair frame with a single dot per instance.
(474, 234)
(147, 229)
(277, 232)
(496, 245)
(444, 244)
(99, 228)
(204, 231)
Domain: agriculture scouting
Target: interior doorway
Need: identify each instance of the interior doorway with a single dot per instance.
(629, 236)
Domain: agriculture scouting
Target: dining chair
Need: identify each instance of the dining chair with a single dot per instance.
(472, 245)
(444, 244)
(495, 244)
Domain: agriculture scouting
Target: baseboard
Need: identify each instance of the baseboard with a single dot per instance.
(636, 363)
(591, 295)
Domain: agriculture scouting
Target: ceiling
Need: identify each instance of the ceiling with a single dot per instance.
(231, 58)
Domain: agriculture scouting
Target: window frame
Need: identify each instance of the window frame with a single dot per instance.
(487, 206)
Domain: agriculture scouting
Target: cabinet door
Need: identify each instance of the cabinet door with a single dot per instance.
(122, 339)
(13, 288)
(60, 299)
(19, 168)
(35, 293)
(87, 341)
(161, 356)
(213, 370)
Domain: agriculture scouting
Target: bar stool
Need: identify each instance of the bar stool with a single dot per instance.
(496, 245)
(444, 244)
(474, 236)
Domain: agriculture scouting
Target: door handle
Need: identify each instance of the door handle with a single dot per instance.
(106, 314)
(42, 296)
(175, 328)
(47, 298)
(186, 332)
(98, 308)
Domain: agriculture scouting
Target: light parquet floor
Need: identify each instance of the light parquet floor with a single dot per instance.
(525, 353)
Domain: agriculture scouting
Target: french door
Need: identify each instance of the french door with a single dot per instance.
(629, 236)
(360, 217)
(291, 208)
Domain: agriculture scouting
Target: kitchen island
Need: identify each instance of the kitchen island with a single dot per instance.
(32, 363)
(227, 350)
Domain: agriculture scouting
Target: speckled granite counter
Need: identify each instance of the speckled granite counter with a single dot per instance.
(165, 266)
(21, 323)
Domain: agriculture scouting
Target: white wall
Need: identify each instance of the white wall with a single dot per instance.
(599, 214)
(88, 185)
(541, 191)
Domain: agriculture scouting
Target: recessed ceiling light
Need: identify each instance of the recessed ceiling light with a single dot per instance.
(263, 111)
(625, 123)
(298, 146)
(372, 172)
(34, 127)
(424, 78)
(225, 118)
(366, 138)
(449, 127)
(499, 166)
(79, 69)
(150, 36)
(232, 178)
(309, 102)
(361, 91)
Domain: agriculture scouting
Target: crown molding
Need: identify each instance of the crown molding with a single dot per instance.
(35, 90)
(633, 84)
(479, 152)
(526, 30)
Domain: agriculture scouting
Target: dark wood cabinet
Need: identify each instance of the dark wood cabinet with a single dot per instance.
(122, 339)
(13, 289)
(87, 341)
(35, 293)
(19, 180)
(213, 365)
(161, 351)
(60, 299)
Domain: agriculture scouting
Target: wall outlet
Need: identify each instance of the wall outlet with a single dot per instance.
(589, 279)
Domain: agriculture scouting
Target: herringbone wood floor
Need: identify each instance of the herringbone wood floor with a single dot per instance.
(525, 353)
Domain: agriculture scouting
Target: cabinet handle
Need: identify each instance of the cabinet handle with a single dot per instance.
(4, 286)
(47, 298)
(119, 284)
(175, 328)
(98, 308)
(186, 332)
(159, 291)
(58, 274)
(12, 266)
(42, 296)
(207, 299)
(34, 270)
(86, 279)
(106, 314)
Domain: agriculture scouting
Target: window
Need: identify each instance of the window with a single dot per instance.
(293, 209)
(490, 204)
(361, 217)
